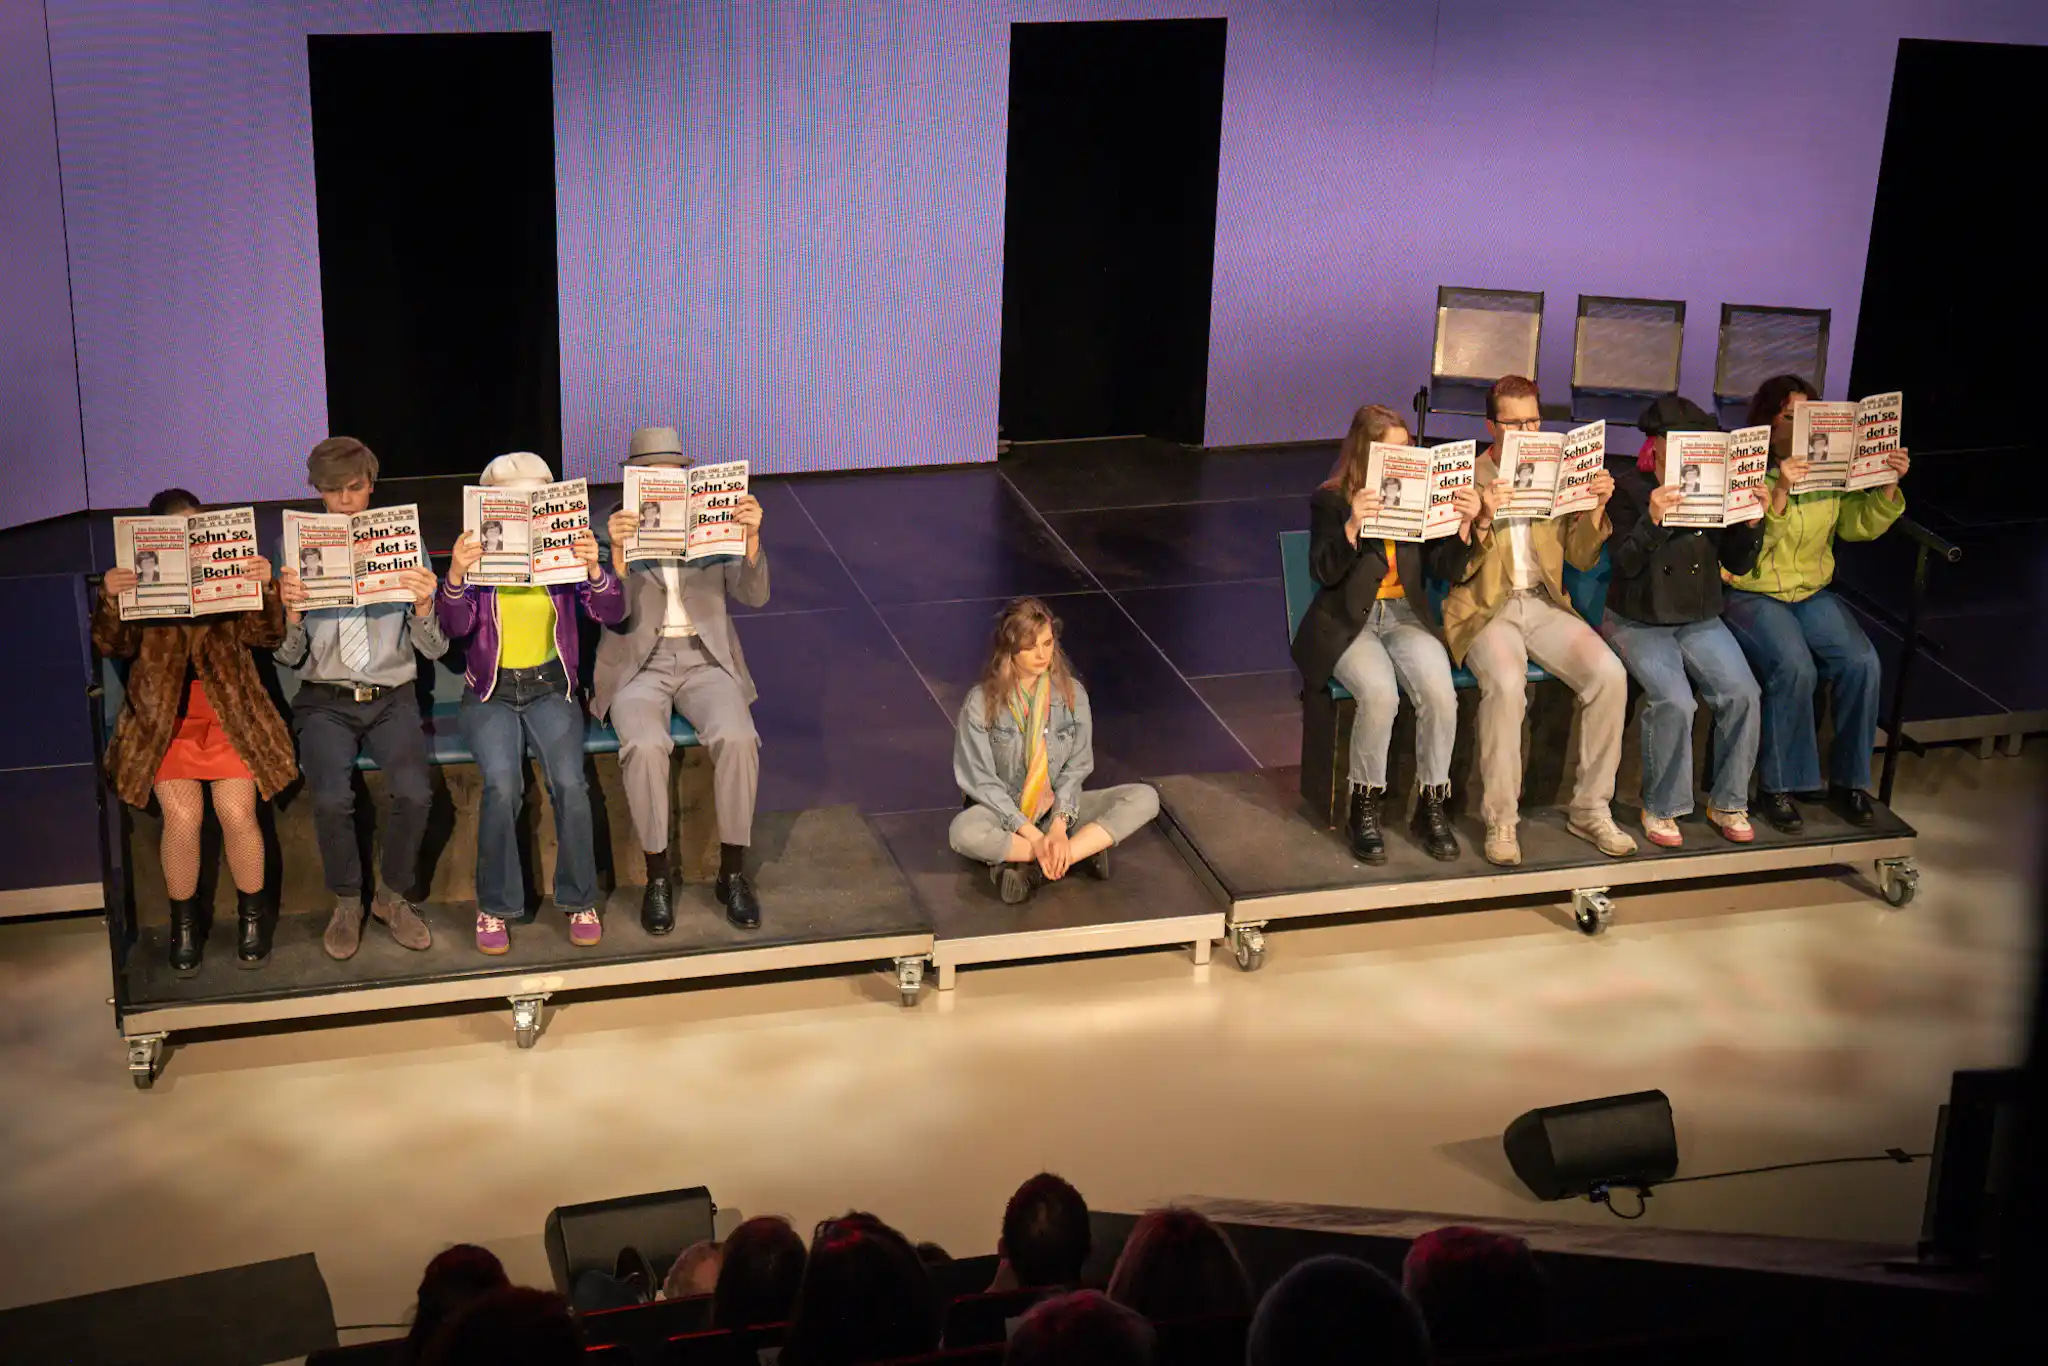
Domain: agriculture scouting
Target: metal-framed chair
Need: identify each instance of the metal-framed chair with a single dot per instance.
(1481, 334)
(1625, 354)
(1758, 342)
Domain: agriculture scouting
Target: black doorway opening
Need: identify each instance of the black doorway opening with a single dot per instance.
(1110, 228)
(434, 161)
(1953, 283)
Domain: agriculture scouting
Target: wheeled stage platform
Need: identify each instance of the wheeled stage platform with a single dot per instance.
(1251, 838)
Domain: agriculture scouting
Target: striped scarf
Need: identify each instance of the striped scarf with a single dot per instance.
(1031, 709)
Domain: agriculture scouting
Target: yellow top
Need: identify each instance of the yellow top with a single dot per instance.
(1390, 586)
(526, 627)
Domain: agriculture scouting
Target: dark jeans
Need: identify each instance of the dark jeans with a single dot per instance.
(1794, 648)
(530, 705)
(332, 727)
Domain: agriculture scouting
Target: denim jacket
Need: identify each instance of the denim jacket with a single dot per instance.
(470, 613)
(988, 759)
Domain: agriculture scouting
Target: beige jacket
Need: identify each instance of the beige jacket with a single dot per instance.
(1475, 599)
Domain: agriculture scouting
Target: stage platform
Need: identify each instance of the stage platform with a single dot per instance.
(1251, 838)
(830, 896)
(1152, 899)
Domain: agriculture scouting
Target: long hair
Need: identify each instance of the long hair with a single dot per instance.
(1771, 396)
(1017, 631)
(1369, 424)
(1176, 1264)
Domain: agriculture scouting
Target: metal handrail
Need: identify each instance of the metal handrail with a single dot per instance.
(1928, 547)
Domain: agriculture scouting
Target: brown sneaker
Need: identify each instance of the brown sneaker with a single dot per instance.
(344, 930)
(402, 920)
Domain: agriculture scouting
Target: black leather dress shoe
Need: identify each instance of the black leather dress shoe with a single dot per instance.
(657, 906)
(1780, 812)
(1368, 845)
(1853, 805)
(742, 908)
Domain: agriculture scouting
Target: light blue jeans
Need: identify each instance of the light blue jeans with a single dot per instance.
(1794, 646)
(1394, 654)
(1668, 661)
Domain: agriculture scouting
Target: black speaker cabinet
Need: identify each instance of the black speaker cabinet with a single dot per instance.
(581, 1238)
(1564, 1150)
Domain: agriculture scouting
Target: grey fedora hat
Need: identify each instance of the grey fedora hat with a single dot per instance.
(656, 446)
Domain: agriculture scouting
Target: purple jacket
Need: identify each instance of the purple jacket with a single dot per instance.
(470, 614)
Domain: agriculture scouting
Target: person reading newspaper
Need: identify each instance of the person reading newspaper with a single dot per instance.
(197, 721)
(1373, 628)
(1664, 621)
(357, 666)
(1798, 634)
(677, 652)
(1510, 607)
(521, 643)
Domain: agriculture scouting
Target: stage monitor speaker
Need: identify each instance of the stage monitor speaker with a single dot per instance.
(588, 1237)
(1565, 1150)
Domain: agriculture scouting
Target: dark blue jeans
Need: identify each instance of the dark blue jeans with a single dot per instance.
(530, 705)
(1793, 647)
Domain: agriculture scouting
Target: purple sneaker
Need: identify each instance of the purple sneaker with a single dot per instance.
(585, 929)
(491, 935)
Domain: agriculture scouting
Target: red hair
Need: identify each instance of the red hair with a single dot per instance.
(1510, 386)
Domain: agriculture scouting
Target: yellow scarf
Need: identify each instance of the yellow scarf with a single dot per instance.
(1031, 709)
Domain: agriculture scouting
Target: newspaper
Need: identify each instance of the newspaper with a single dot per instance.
(528, 535)
(1877, 441)
(1416, 485)
(1551, 475)
(354, 561)
(189, 566)
(1720, 473)
(1824, 436)
(686, 514)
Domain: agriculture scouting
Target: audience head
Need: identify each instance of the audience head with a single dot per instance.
(175, 503)
(1373, 422)
(1081, 1329)
(463, 1273)
(1514, 403)
(1478, 1291)
(1045, 1233)
(1336, 1311)
(1775, 399)
(343, 471)
(695, 1271)
(1024, 648)
(1178, 1265)
(864, 1298)
(758, 1276)
(931, 1254)
(513, 1326)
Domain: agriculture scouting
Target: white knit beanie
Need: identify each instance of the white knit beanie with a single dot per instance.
(517, 470)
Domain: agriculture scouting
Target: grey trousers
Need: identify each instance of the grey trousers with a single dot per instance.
(682, 677)
(978, 833)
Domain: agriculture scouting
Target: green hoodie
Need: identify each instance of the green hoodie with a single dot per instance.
(1798, 558)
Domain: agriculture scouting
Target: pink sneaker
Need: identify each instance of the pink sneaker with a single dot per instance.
(491, 935)
(585, 929)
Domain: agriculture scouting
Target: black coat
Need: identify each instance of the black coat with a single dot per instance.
(1349, 577)
(1663, 576)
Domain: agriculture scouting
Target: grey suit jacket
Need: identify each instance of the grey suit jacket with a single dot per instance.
(624, 648)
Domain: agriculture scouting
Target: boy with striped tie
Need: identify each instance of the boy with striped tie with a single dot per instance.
(356, 667)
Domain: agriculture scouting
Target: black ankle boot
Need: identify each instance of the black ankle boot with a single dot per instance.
(250, 947)
(186, 946)
(1432, 825)
(1368, 845)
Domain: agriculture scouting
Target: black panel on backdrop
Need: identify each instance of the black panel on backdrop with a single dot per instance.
(1954, 283)
(1110, 227)
(434, 160)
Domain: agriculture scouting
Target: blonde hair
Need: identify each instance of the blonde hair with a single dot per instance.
(1369, 424)
(1017, 631)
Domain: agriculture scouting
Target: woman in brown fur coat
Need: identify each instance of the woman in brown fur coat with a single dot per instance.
(197, 716)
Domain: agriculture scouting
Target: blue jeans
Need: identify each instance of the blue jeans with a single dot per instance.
(1793, 646)
(1668, 661)
(529, 704)
(1395, 653)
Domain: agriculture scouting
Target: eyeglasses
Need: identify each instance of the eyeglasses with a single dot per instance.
(1518, 424)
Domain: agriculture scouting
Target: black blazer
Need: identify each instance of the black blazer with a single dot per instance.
(1349, 581)
(1664, 576)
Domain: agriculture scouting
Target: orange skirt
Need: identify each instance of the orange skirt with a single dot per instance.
(200, 749)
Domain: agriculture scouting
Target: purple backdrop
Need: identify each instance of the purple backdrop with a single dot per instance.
(781, 226)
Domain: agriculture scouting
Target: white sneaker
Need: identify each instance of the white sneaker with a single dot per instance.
(1662, 831)
(1502, 847)
(1603, 834)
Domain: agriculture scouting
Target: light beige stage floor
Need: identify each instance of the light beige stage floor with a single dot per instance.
(1366, 1065)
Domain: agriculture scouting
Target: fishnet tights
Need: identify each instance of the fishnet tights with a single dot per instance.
(234, 805)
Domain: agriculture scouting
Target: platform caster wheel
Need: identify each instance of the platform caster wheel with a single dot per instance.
(526, 1019)
(145, 1060)
(1248, 943)
(143, 1080)
(1898, 880)
(1592, 910)
(909, 980)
